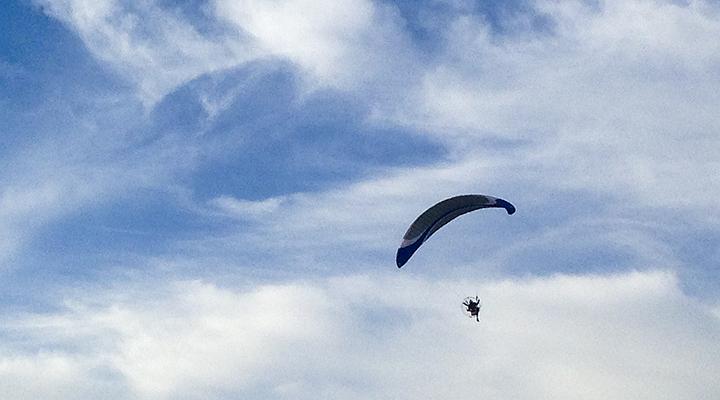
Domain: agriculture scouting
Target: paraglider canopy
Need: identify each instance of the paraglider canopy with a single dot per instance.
(440, 214)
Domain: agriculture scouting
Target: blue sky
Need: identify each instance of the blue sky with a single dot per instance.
(204, 198)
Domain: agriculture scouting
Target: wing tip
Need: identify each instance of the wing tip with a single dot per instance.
(404, 253)
(401, 258)
(506, 205)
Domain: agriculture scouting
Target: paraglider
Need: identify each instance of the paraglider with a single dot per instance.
(472, 307)
(440, 214)
(435, 218)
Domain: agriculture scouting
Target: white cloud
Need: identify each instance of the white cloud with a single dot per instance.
(343, 44)
(563, 337)
(617, 103)
(71, 171)
(315, 34)
(348, 45)
(152, 47)
(320, 229)
(617, 100)
(246, 209)
(600, 105)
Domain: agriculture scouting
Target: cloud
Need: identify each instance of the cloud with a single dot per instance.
(363, 221)
(601, 130)
(370, 336)
(600, 102)
(245, 209)
(344, 44)
(79, 170)
(593, 116)
(155, 48)
(352, 46)
(599, 105)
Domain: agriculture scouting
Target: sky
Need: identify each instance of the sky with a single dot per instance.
(203, 199)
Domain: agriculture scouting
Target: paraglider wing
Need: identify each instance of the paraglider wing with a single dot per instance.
(440, 214)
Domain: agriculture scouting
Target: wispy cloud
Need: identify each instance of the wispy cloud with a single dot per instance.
(246, 209)
(346, 44)
(155, 48)
(74, 171)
